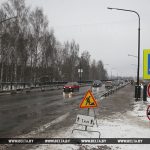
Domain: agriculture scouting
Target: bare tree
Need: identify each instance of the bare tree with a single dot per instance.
(38, 23)
(85, 65)
(70, 63)
(30, 50)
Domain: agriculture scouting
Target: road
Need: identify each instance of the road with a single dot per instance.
(47, 114)
(23, 113)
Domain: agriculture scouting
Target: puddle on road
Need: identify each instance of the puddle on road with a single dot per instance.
(70, 95)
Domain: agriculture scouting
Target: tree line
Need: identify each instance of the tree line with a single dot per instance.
(29, 49)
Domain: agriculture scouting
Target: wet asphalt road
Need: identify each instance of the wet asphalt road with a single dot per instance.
(23, 113)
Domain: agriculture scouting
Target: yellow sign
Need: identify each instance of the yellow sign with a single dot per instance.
(88, 101)
(146, 64)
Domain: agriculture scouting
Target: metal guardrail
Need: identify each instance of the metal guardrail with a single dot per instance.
(18, 87)
(111, 91)
(15, 87)
(7, 86)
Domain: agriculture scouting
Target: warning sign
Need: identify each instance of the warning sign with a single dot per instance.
(88, 101)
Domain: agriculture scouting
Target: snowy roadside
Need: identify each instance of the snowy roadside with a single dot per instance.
(133, 124)
(140, 109)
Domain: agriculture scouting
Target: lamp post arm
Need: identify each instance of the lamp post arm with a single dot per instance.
(127, 10)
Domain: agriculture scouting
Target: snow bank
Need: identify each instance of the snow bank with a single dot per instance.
(123, 127)
(140, 110)
(132, 124)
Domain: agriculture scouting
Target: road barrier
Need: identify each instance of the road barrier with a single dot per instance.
(111, 91)
(19, 87)
(27, 87)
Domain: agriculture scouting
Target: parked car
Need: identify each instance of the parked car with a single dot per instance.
(108, 84)
(71, 87)
(97, 83)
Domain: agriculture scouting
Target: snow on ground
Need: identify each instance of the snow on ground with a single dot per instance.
(140, 109)
(133, 124)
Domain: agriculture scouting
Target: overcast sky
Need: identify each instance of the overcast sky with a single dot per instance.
(109, 35)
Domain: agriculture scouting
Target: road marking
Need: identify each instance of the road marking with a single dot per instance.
(57, 120)
(44, 127)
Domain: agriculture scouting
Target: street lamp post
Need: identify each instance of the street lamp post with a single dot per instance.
(107, 65)
(111, 69)
(80, 70)
(137, 87)
(111, 72)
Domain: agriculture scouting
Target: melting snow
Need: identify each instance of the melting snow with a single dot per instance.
(133, 124)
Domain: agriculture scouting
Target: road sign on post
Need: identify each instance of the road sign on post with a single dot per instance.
(85, 120)
(148, 112)
(88, 101)
(146, 64)
(148, 90)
